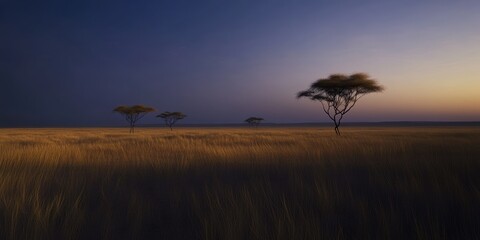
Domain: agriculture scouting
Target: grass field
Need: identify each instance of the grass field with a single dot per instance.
(240, 183)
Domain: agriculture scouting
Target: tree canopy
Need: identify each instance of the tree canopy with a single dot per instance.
(171, 118)
(254, 121)
(339, 93)
(133, 114)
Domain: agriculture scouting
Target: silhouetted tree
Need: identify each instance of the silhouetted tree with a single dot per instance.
(338, 94)
(133, 114)
(254, 121)
(171, 118)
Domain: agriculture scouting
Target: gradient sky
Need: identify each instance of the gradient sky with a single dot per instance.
(69, 63)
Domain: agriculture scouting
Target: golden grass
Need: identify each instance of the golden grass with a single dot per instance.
(186, 147)
(240, 183)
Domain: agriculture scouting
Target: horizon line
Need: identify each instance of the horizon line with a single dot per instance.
(279, 124)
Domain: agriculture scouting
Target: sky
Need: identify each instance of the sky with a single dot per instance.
(69, 63)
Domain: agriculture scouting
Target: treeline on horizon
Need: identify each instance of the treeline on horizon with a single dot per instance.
(338, 94)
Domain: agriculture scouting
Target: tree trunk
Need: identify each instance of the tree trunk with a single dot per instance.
(337, 130)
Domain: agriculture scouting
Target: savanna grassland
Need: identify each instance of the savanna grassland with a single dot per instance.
(240, 183)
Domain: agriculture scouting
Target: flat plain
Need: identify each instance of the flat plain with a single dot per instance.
(240, 183)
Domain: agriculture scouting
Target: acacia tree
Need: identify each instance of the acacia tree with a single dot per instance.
(254, 121)
(339, 93)
(171, 118)
(133, 114)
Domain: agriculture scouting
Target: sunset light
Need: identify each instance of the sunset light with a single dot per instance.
(238, 58)
(239, 119)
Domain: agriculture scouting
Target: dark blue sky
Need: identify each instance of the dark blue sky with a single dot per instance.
(68, 63)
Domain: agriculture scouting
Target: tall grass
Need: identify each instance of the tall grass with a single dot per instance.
(265, 183)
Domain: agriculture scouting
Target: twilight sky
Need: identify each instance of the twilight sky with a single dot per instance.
(69, 63)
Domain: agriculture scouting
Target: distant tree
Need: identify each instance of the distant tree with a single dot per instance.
(338, 94)
(133, 114)
(171, 118)
(254, 121)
